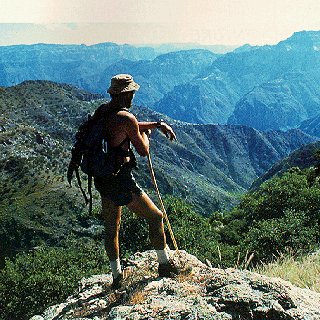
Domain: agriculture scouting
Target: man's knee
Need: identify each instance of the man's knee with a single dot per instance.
(157, 217)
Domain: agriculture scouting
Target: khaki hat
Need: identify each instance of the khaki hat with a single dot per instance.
(122, 83)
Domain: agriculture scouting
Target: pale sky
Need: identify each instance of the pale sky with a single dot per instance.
(228, 22)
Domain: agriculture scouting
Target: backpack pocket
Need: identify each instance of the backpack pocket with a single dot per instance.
(99, 164)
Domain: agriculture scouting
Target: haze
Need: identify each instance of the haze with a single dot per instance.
(228, 22)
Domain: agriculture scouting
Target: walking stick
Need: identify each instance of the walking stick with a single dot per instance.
(154, 181)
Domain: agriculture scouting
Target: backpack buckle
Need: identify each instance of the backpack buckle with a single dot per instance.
(104, 146)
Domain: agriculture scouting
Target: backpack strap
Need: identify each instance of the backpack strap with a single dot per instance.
(80, 185)
(90, 192)
(123, 142)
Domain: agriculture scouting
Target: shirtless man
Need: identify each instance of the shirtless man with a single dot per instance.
(120, 190)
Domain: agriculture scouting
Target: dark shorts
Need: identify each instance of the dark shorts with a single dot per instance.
(119, 188)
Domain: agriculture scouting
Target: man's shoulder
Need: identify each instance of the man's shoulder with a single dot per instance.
(126, 116)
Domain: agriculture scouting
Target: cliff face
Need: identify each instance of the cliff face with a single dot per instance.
(205, 293)
(279, 104)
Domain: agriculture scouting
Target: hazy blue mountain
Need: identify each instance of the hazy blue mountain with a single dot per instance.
(244, 48)
(311, 126)
(250, 68)
(63, 63)
(245, 69)
(205, 99)
(171, 47)
(160, 75)
(279, 104)
(191, 85)
(91, 67)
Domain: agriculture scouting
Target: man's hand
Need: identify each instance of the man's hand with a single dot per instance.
(167, 130)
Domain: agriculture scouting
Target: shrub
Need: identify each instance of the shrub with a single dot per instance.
(32, 281)
(283, 213)
(271, 237)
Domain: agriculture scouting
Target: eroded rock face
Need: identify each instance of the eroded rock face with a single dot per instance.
(205, 293)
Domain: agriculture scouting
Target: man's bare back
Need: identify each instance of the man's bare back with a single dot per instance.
(123, 126)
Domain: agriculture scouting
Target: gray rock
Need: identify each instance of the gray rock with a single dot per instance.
(205, 293)
(37, 318)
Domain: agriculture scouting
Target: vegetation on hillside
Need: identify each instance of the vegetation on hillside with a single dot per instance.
(284, 213)
(47, 275)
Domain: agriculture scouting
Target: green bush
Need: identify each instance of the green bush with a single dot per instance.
(291, 191)
(134, 234)
(293, 232)
(283, 213)
(33, 281)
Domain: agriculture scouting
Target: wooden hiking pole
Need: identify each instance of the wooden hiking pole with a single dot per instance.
(154, 181)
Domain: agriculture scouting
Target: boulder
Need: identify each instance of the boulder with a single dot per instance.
(202, 293)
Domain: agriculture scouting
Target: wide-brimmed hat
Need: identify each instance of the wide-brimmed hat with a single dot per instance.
(122, 83)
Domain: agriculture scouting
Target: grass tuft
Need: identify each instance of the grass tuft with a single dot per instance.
(302, 271)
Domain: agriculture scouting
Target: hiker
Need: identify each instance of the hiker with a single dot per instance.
(123, 129)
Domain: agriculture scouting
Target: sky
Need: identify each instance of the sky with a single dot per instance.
(207, 22)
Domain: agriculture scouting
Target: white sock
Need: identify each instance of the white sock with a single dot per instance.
(163, 256)
(115, 267)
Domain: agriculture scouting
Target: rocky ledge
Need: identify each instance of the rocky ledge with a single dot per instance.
(205, 293)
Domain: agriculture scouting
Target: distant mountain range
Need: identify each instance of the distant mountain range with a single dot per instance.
(160, 75)
(280, 104)
(71, 64)
(171, 47)
(266, 87)
(248, 85)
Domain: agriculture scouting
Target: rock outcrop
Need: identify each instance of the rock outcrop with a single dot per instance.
(205, 293)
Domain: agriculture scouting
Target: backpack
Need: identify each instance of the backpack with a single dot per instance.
(90, 151)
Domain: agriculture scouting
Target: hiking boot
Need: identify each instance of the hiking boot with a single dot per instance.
(168, 270)
(117, 282)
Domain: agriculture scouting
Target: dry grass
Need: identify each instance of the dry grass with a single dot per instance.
(184, 277)
(137, 298)
(244, 264)
(303, 272)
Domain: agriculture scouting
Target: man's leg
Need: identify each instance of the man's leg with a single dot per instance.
(111, 214)
(143, 206)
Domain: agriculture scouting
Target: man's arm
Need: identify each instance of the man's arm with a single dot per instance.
(161, 125)
(138, 138)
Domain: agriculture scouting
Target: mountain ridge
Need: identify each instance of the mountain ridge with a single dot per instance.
(302, 158)
(202, 87)
(243, 70)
